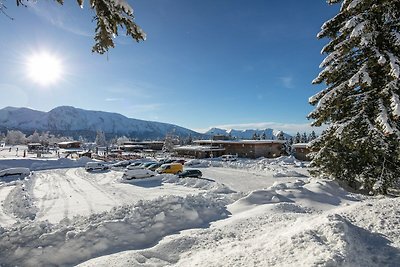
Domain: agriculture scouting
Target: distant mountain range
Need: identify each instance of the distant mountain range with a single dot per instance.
(270, 134)
(75, 122)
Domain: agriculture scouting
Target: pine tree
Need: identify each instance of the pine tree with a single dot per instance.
(255, 136)
(189, 140)
(312, 136)
(304, 138)
(264, 136)
(280, 136)
(297, 138)
(110, 16)
(361, 103)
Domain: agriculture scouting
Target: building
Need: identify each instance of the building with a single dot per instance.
(35, 147)
(143, 145)
(199, 152)
(70, 144)
(301, 150)
(246, 148)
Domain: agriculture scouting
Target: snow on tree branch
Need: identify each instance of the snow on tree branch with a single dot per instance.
(110, 16)
(383, 120)
(361, 100)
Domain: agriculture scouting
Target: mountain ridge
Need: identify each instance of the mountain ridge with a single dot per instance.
(75, 122)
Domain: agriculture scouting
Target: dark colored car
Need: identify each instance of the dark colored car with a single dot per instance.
(190, 173)
(181, 161)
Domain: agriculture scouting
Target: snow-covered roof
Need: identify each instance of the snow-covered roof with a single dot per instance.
(252, 142)
(34, 144)
(69, 142)
(199, 148)
(132, 146)
(301, 145)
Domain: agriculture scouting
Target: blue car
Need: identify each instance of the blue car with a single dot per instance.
(191, 173)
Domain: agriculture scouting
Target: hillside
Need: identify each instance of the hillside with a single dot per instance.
(70, 121)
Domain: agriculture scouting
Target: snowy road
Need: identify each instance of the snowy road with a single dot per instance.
(64, 193)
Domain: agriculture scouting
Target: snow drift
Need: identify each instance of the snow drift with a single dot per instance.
(129, 227)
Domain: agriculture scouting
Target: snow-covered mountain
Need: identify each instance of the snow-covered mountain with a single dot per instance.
(246, 134)
(72, 121)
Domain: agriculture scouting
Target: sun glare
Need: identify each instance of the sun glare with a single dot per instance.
(44, 68)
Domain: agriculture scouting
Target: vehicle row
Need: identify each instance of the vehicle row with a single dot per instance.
(144, 168)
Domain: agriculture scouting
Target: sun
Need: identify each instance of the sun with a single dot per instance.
(44, 68)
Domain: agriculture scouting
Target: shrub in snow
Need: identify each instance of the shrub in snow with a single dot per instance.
(361, 102)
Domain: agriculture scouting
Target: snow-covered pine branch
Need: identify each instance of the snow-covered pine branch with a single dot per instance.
(361, 100)
(110, 16)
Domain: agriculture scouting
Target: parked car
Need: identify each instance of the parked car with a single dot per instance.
(137, 174)
(133, 165)
(165, 161)
(181, 161)
(229, 157)
(173, 168)
(122, 164)
(191, 173)
(95, 166)
(141, 165)
(154, 166)
(15, 171)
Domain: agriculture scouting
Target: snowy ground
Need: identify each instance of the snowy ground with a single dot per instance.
(244, 213)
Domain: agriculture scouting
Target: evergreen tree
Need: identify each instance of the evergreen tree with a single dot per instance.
(280, 136)
(189, 140)
(255, 136)
(110, 16)
(297, 138)
(312, 136)
(304, 138)
(361, 103)
(290, 141)
(264, 136)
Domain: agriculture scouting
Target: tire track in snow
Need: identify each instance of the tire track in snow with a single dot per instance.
(104, 188)
(64, 193)
(53, 192)
(5, 218)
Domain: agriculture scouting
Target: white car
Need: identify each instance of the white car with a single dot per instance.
(92, 166)
(15, 171)
(137, 173)
(229, 157)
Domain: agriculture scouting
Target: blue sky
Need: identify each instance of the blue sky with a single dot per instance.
(236, 64)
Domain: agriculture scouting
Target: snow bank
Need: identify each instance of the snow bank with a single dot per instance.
(129, 227)
(329, 240)
(287, 173)
(314, 193)
(19, 201)
(43, 164)
(261, 164)
(200, 183)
